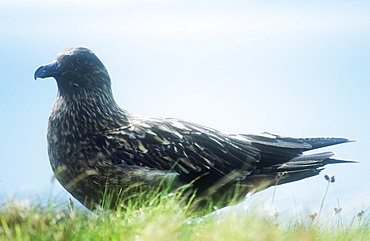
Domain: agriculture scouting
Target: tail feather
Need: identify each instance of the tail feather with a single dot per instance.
(307, 143)
(290, 172)
(313, 161)
(319, 142)
(336, 161)
(313, 157)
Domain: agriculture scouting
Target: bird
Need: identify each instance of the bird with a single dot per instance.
(96, 147)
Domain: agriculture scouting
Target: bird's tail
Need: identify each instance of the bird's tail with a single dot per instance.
(305, 166)
(298, 168)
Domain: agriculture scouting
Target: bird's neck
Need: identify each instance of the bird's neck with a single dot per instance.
(86, 113)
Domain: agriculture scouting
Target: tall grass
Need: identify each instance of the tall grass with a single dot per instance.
(166, 216)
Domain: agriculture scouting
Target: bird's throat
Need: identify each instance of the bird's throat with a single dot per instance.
(85, 115)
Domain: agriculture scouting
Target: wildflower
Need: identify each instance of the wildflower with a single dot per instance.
(313, 216)
(330, 178)
(359, 214)
(337, 210)
(275, 214)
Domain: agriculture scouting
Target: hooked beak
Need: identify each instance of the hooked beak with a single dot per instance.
(47, 70)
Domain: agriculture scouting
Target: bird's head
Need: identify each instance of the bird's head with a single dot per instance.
(75, 70)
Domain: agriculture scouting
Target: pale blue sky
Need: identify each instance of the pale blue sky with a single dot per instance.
(296, 69)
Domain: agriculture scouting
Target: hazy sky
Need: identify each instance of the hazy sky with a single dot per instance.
(286, 67)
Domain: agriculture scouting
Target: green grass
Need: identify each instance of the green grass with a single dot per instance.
(166, 218)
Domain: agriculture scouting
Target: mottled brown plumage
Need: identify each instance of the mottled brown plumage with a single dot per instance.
(95, 146)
